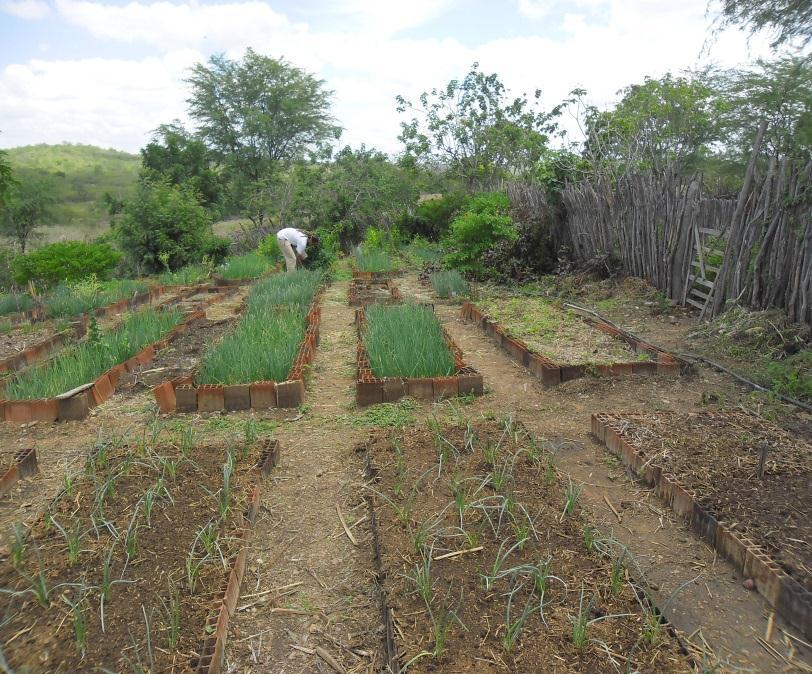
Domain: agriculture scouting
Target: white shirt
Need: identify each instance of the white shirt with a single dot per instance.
(297, 239)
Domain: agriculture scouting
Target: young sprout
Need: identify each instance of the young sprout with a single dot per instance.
(79, 621)
(148, 503)
(131, 542)
(581, 622)
(172, 613)
(187, 440)
(589, 537)
(249, 431)
(73, 540)
(489, 451)
(460, 498)
(549, 473)
(616, 574)
(501, 476)
(421, 577)
(470, 438)
(39, 586)
(17, 546)
(169, 466)
(400, 471)
(521, 531)
(571, 494)
(514, 626)
(68, 480)
(498, 562)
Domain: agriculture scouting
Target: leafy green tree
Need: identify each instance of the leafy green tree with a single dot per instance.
(258, 115)
(66, 261)
(27, 208)
(788, 20)
(432, 217)
(6, 178)
(659, 122)
(484, 223)
(164, 220)
(177, 155)
(473, 128)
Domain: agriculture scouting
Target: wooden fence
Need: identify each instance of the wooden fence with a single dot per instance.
(706, 251)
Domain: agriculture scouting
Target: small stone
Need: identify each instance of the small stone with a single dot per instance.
(749, 584)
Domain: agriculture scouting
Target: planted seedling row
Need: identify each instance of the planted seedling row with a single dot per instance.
(86, 375)
(129, 563)
(262, 363)
(487, 562)
(243, 269)
(552, 373)
(403, 350)
(742, 484)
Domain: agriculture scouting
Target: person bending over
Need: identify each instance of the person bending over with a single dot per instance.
(293, 244)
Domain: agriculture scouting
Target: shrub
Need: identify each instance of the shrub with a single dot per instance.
(216, 249)
(484, 224)
(432, 218)
(66, 261)
(164, 219)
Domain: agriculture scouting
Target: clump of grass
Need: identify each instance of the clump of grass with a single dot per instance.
(406, 341)
(245, 266)
(84, 362)
(11, 303)
(449, 284)
(372, 260)
(66, 301)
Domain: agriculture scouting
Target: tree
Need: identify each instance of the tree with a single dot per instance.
(661, 121)
(177, 155)
(26, 209)
(6, 178)
(164, 219)
(258, 115)
(66, 261)
(787, 19)
(472, 128)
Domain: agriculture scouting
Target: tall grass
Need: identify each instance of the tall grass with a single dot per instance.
(11, 303)
(406, 341)
(66, 301)
(84, 362)
(372, 259)
(423, 251)
(265, 342)
(245, 266)
(448, 284)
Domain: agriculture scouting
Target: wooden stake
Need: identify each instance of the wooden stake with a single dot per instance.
(325, 655)
(449, 555)
(612, 508)
(762, 459)
(769, 631)
(346, 528)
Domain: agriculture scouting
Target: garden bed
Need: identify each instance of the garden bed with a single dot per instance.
(601, 349)
(32, 396)
(706, 467)
(409, 355)
(486, 562)
(362, 292)
(262, 363)
(135, 558)
(243, 269)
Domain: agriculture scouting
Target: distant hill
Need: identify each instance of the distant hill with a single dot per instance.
(79, 176)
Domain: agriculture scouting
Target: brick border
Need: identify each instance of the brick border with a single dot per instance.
(370, 390)
(395, 296)
(551, 373)
(373, 275)
(25, 465)
(183, 395)
(792, 602)
(76, 404)
(212, 649)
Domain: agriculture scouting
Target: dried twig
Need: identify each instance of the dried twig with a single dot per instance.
(612, 508)
(346, 528)
(449, 555)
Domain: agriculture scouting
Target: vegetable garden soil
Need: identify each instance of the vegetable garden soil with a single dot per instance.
(559, 334)
(19, 338)
(716, 456)
(37, 638)
(407, 464)
(369, 292)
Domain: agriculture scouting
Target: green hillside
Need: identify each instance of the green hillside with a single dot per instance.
(79, 175)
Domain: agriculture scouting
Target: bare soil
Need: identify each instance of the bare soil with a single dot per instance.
(19, 338)
(136, 626)
(447, 481)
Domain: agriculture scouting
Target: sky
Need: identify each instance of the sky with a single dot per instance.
(108, 73)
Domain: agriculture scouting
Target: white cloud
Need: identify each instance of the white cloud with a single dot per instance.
(31, 10)
(388, 18)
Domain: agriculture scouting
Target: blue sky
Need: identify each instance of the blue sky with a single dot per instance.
(108, 73)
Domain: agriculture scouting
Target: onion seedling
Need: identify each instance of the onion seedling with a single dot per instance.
(571, 494)
(513, 627)
(449, 284)
(172, 613)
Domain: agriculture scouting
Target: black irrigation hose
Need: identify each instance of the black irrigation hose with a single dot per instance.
(695, 358)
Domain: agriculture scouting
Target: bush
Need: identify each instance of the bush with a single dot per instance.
(432, 218)
(66, 261)
(164, 219)
(216, 249)
(482, 226)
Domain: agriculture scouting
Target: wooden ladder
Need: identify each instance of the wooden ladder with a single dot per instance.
(701, 274)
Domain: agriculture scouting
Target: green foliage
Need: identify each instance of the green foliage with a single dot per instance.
(449, 284)
(372, 259)
(419, 250)
(6, 178)
(484, 223)
(788, 20)
(11, 303)
(27, 207)
(406, 341)
(66, 301)
(476, 130)
(792, 376)
(269, 248)
(250, 265)
(84, 362)
(265, 342)
(432, 217)
(79, 177)
(163, 218)
(66, 261)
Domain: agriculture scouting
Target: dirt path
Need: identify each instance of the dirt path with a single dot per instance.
(713, 601)
(325, 595)
(62, 447)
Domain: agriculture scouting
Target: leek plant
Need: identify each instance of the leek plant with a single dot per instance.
(372, 259)
(406, 341)
(84, 362)
(245, 266)
(449, 284)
